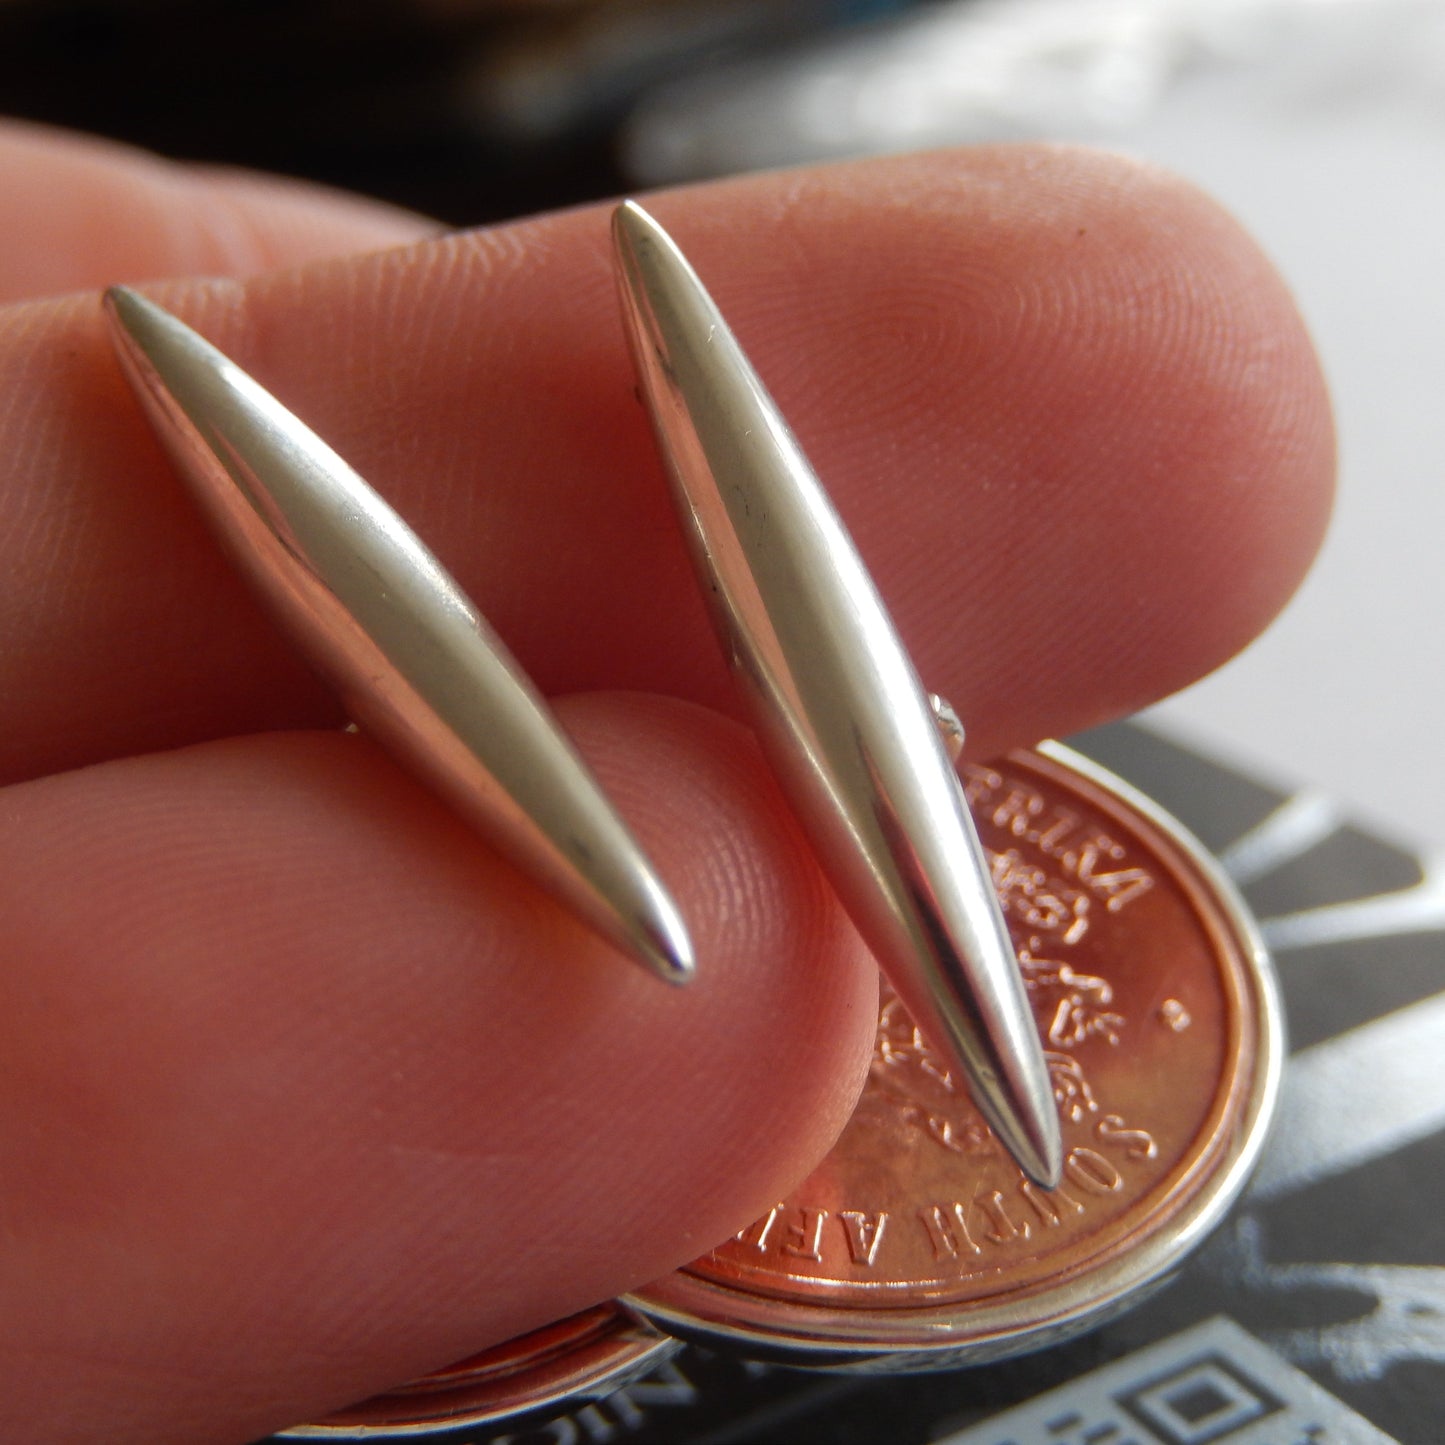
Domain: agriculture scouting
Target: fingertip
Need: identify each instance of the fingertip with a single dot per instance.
(1115, 431)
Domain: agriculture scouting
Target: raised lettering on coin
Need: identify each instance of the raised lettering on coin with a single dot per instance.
(918, 1210)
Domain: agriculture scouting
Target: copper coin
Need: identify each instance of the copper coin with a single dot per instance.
(918, 1243)
(585, 1356)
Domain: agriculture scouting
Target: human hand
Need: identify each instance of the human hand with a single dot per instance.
(302, 1090)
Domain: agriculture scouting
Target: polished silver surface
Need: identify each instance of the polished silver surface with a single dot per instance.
(848, 728)
(415, 663)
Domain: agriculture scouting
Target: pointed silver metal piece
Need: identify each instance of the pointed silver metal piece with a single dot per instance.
(845, 722)
(413, 660)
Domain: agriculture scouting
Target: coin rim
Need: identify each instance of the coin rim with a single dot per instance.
(941, 1335)
(624, 1348)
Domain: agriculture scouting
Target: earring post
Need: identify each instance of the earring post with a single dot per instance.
(415, 663)
(845, 722)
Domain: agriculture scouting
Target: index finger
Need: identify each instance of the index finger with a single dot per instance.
(1066, 407)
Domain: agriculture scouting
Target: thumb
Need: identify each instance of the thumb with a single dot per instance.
(307, 1093)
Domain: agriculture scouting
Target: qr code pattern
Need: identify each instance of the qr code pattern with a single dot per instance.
(1212, 1385)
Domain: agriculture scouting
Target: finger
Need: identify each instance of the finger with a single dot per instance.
(340, 1099)
(1067, 408)
(82, 213)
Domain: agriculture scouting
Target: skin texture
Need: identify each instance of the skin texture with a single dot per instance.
(303, 1091)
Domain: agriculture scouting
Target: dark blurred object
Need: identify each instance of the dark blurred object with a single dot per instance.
(469, 110)
(358, 93)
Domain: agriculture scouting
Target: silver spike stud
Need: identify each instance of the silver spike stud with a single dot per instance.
(846, 725)
(415, 663)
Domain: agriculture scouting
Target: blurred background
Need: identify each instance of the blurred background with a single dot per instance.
(1321, 123)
